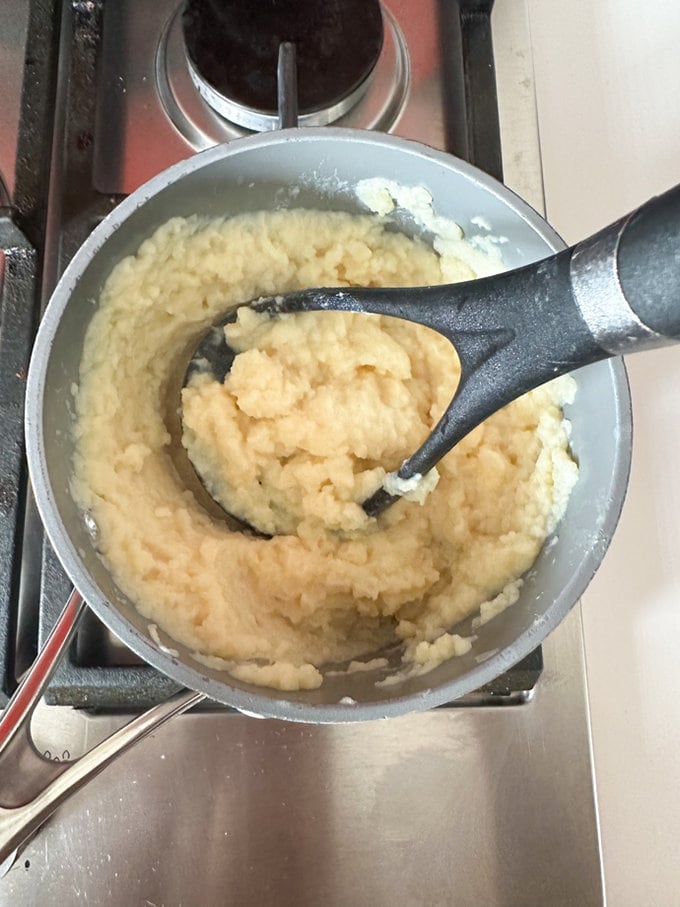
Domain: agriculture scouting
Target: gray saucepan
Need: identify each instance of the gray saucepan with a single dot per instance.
(320, 169)
(313, 168)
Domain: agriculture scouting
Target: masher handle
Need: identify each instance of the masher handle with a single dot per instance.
(626, 279)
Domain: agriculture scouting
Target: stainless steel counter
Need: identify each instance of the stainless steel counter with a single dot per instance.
(468, 806)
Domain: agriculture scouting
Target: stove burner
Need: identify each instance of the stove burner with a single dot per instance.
(233, 46)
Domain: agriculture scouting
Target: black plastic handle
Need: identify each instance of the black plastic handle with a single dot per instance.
(649, 263)
(626, 279)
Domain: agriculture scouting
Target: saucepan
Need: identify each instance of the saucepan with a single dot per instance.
(319, 169)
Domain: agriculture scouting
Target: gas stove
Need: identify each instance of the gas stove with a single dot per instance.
(492, 794)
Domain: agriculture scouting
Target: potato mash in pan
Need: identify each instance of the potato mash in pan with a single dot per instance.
(315, 411)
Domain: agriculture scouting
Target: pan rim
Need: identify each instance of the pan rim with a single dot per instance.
(249, 699)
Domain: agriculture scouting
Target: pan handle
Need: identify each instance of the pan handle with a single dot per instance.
(32, 786)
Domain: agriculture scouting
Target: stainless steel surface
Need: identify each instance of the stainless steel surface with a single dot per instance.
(256, 120)
(598, 293)
(33, 785)
(152, 81)
(429, 809)
(13, 32)
(288, 112)
(323, 166)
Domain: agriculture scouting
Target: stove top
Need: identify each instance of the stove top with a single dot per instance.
(110, 97)
(434, 81)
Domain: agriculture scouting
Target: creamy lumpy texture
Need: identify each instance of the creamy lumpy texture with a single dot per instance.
(316, 410)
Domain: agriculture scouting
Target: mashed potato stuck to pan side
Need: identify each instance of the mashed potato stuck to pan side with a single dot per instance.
(317, 408)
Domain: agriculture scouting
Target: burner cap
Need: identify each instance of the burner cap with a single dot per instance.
(233, 48)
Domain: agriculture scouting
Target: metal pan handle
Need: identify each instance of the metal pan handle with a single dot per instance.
(31, 786)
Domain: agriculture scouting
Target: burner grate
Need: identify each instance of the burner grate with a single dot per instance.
(17, 294)
(22, 232)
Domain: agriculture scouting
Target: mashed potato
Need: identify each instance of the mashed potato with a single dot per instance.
(315, 410)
